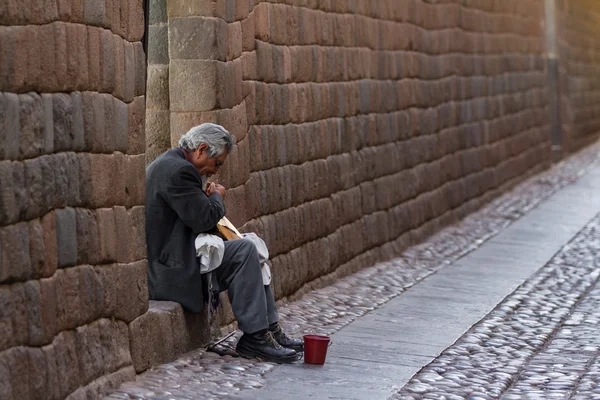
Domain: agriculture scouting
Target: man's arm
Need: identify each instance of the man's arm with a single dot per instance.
(197, 210)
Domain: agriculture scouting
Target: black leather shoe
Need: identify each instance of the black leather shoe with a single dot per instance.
(263, 345)
(284, 340)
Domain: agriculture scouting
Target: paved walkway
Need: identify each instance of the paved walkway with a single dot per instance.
(376, 355)
(405, 328)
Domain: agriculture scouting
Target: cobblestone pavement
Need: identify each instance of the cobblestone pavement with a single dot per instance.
(541, 342)
(206, 375)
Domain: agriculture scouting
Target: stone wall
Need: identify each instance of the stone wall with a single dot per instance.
(578, 27)
(362, 126)
(72, 248)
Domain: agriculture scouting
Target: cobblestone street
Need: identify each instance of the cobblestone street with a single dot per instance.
(539, 341)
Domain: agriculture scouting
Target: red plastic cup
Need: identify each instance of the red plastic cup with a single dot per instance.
(315, 349)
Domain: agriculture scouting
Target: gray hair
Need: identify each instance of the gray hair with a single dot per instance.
(215, 136)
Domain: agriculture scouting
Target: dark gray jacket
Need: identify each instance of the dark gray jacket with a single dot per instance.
(177, 209)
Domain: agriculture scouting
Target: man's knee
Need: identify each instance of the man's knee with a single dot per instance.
(246, 246)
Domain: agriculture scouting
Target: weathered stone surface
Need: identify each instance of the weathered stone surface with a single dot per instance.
(15, 262)
(132, 290)
(66, 237)
(107, 233)
(68, 298)
(193, 85)
(89, 352)
(63, 120)
(91, 294)
(159, 52)
(136, 141)
(157, 97)
(198, 38)
(186, 8)
(67, 362)
(31, 122)
(11, 127)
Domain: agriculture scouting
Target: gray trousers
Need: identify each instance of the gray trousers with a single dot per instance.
(252, 302)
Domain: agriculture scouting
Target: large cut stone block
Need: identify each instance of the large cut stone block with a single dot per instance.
(31, 122)
(131, 281)
(66, 237)
(15, 262)
(136, 124)
(188, 8)
(193, 85)
(158, 51)
(157, 97)
(198, 38)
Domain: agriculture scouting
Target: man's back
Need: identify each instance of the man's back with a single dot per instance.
(176, 211)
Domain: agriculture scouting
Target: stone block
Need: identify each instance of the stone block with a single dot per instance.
(15, 364)
(134, 180)
(193, 85)
(49, 308)
(146, 329)
(94, 60)
(62, 117)
(38, 381)
(91, 294)
(67, 362)
(89, 352)
(248, 33)
(120, 125)
(77, 57)
(94, 121)
(114, 342)
(262, 22)
(77, 129)
(158, 12)
(31, 122)
(10, 130)
(83, 159)
(107, 233)
(34, 189)
(158, 53)
(158, 87)
(44, 75)
(35, 327)
(157, 134)
(132, 290)
(94, 12)
(50, 256)
(122, 8)
(130, 69)
(8, 337)
(198, 38)
(108, 61)
(14, 74)
(66, 237)
(15, 262)
(136, 126)
(265, 63)
(68, 298)
(66, 179)
(119, 88)
(189, 8)
(135, 22)
(37, 250)
(103, 180)
(87, 237)
(140, 69)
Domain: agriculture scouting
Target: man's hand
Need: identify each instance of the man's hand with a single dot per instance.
(216, 188)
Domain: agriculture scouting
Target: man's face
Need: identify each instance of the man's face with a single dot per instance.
(206, 166)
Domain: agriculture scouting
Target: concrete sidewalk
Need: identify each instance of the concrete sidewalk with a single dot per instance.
(374, 356)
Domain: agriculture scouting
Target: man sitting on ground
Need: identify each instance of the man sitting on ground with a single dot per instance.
(177, 210)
